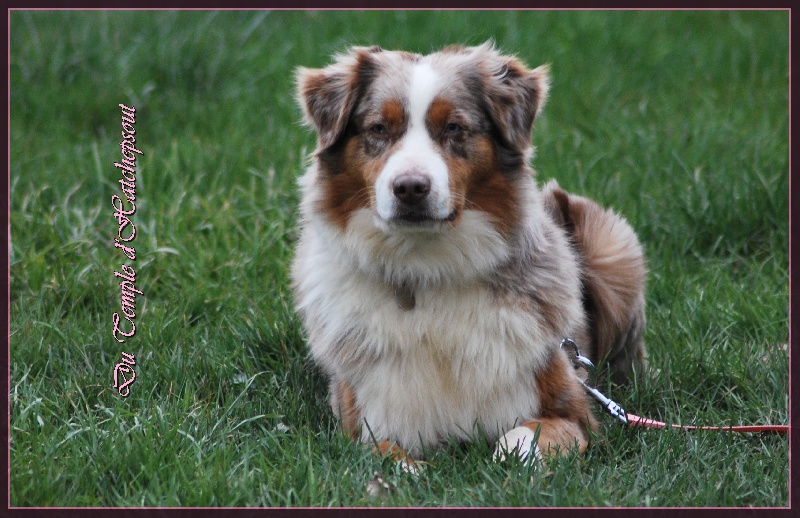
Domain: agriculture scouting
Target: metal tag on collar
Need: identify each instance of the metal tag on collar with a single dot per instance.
(582, 362)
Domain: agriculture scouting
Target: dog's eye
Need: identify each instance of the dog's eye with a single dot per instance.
(378, 129)
(453, 128)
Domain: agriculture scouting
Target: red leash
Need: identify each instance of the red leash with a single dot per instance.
(582, 362)
(635, 420)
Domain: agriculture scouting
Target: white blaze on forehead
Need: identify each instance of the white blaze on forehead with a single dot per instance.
(417, 151)
(425, 84)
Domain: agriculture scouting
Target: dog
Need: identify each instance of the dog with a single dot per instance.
(435, 280)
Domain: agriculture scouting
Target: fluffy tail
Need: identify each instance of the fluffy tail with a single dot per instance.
(613, 275)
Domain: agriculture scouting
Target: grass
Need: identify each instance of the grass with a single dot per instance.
(677, 119)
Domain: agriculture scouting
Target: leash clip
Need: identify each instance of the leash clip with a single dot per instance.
(579, 361)
(582, 362)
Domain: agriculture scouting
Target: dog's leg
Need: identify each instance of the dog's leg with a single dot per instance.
(564, 420)
(345, 404)
(551, 436)
(398, 454)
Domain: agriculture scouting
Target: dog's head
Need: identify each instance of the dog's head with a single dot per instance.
(419, 140)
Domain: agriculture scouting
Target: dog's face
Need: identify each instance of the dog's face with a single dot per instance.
(419, 140)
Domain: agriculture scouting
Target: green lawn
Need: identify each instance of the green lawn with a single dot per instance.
(677, 119)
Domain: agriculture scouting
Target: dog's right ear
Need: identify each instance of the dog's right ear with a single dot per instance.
(328, 95)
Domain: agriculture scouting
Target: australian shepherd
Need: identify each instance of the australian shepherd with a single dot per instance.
(434, 279)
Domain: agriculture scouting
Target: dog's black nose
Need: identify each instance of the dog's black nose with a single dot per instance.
(411, 188)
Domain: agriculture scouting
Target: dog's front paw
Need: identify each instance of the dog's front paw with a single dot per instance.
(406, 463)
(518, 442)
(411, 466)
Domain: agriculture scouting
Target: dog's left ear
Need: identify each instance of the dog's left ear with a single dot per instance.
(516, 95)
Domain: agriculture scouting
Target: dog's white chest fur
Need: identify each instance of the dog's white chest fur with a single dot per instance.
(461, 357)
(453, 363)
